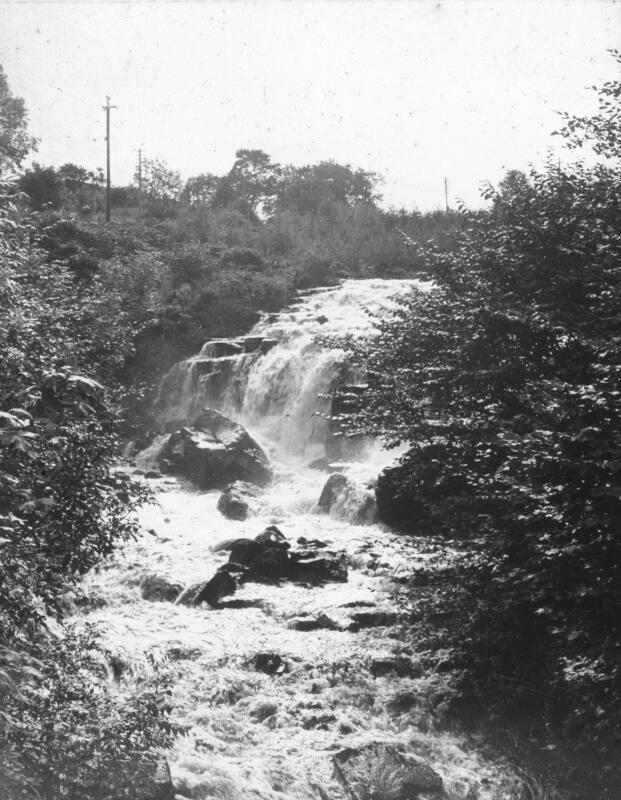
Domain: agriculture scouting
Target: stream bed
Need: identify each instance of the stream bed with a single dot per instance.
(345, 678)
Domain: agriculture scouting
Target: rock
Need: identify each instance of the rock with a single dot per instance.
(155, 587)
(244, 551)
(211, 591)
(213, 452)
(331, 490)
(220, 348)
(252, 343)
(321, 319)
(394, 665)
(182, 652)
(323, 621)
(403, 701)
(311, 543)
(152, 474)
(267, 344)
(273, 537)
(272, 563)
(262, 710)
(317, 721)
(373, 619)
(328, 567)
(380, 772)
(270, 663)
(236, 500)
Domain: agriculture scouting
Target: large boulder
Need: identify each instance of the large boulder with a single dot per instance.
(380, 772)
(244, 551)
(265, 558)
(238, 500)
(215, 451)
(333, 487)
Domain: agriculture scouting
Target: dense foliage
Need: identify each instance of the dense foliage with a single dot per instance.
(503, 379)
(63, 731)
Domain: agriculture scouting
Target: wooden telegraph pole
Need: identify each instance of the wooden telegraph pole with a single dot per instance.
(107, 108)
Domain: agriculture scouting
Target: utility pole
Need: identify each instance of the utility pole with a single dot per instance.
(446, 193)
(140, 170)
(107, 108)
(140, 181)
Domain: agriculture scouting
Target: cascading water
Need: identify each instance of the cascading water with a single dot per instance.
(246, 734)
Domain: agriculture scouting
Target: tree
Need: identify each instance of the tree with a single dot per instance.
(15, 142)
(44, 186)
(159, 182)
(314, 189)
(200, 189)
(502, 380)
(602, 130)
(253, 178)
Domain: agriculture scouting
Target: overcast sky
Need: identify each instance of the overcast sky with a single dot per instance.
(413, 90)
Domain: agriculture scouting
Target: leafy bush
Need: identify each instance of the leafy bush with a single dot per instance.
(503, 381)
(72, 733)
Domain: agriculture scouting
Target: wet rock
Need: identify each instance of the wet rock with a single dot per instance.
(252, 343)
(328, 567)
(267, 344)
(271, 563)
(155, 587)
(243, 551)
(263, 710)
(394, 665)
(372, 619)
(213, 452)
(273, 537)
(317, 721)
(211, 591)
(322, 621)
(183, 653)
(315, 544)
(380, 772)
(221, 348)
(403, 701)
(331, 490)
(153, 474)
(322, 319)
(236, 502)
(270, 664)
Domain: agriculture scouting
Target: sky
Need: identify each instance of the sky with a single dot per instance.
(417, 91)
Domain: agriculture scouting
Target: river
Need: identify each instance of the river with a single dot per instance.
(244, 733)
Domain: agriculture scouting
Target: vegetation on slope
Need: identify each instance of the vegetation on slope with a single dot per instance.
(504, 382)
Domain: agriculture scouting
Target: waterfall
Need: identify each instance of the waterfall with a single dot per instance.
(279, 379)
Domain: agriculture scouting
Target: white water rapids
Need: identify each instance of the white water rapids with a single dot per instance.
(245, 734)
